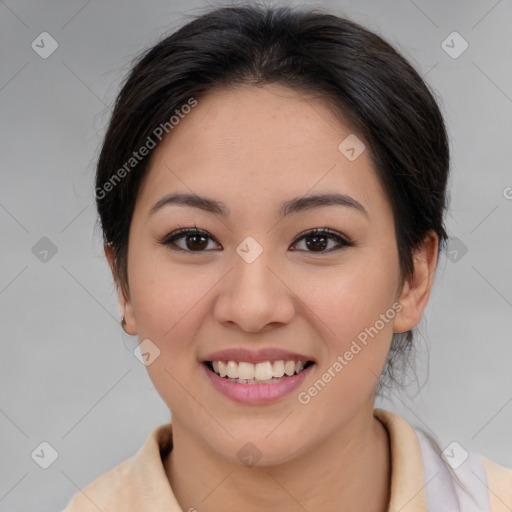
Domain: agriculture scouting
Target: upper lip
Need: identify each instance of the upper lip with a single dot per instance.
(257, 356)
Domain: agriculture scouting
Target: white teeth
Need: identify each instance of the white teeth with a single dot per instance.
(244, 372)
(278, 369)
(222, 369)
(263, 371)
(232, 370)
(289, 368)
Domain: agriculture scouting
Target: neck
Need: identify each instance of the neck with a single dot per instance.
(351, 470)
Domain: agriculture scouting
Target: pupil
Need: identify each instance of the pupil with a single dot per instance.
(194, 238)
(316, 242)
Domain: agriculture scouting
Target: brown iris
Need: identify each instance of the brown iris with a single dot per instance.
(196, 242)
(316, 242)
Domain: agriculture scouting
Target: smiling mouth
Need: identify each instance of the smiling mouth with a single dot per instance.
(267, 372)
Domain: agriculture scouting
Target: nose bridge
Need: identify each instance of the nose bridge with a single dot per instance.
(252, 269)
(252, 281)
(252, 295)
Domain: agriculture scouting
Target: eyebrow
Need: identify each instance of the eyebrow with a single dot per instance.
(296, 205)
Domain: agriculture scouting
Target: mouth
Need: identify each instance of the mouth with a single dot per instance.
(258, 376)
(264, 372)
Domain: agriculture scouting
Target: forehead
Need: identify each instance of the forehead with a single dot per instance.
(264, 141)
(271, 115)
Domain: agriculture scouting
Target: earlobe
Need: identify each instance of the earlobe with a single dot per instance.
(127, 318)
(416, 290)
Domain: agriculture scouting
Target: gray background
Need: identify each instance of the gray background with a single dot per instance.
(68, 376)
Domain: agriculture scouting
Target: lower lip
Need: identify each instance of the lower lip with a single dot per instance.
(256, 393)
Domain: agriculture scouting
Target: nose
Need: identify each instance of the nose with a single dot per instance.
(254, 297)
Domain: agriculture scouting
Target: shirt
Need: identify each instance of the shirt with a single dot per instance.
(420, 479)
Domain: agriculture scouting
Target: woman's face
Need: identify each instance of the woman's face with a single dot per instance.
(254, 282)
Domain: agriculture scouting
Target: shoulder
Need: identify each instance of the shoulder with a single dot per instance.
(453, 478)
(475, 480)
(499, 481)
(138, 483)
(103, 492)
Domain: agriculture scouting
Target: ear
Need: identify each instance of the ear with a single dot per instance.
(125, 304)
(416, 291)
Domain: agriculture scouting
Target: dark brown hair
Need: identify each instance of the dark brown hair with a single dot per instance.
(374, 89)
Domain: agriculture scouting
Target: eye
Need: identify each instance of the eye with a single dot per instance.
(196, 240)
(317, 241)
(192, 239)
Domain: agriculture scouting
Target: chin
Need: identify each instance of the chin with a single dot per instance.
(261, 450)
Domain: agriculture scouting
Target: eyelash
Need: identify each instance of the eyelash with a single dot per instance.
(170, 239)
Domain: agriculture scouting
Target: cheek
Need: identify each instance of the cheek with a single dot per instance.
(169, 305)
(357, 306)
(357, 329)
(352, 298)
(166, 296)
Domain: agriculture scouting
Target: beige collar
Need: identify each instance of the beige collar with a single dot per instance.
(407, 480)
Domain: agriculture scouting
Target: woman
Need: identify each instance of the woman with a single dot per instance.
(271, 190)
